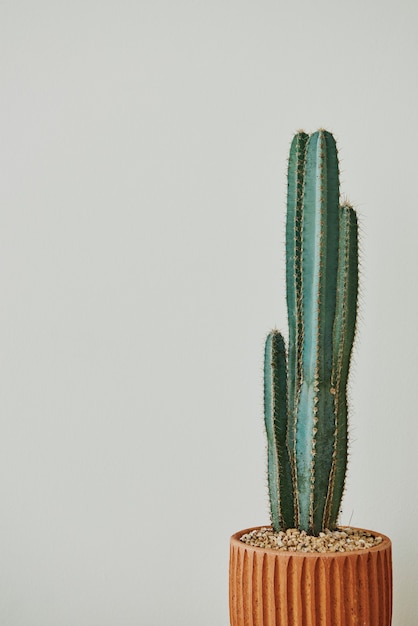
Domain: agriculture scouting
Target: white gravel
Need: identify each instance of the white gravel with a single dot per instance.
(344, 539)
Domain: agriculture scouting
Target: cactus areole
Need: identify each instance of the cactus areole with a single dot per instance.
(305, 385)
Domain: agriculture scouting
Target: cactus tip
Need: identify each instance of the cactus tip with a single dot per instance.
(345, 203)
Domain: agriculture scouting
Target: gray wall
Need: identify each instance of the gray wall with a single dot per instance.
(143, 160)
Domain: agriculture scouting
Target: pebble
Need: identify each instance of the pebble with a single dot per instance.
(344, 539)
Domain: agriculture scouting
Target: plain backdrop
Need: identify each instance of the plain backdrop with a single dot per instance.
(143, 182)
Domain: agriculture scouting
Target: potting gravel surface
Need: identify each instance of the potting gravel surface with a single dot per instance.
(344, 539)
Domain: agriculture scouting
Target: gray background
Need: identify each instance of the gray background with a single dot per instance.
(143, 162)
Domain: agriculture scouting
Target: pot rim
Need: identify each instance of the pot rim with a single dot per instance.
(383, 545)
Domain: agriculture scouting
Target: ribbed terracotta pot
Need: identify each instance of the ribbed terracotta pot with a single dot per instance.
(272, 588)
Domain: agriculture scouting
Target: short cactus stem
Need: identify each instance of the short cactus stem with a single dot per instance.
(306, 390)
(275, 413)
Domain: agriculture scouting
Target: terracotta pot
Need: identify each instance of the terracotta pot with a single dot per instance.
(272, 588)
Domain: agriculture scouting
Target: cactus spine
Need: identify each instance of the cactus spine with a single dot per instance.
(305, 393)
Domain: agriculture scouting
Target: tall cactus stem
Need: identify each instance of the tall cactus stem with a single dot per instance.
(315, 410)
(344, 332)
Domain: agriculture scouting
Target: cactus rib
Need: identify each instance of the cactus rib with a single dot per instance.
(295, 178)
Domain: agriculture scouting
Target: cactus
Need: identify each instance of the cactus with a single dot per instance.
(305, 392)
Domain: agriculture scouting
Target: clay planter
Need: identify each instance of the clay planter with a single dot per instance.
(272, 588)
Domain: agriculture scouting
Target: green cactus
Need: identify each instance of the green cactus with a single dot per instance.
(305, 394)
